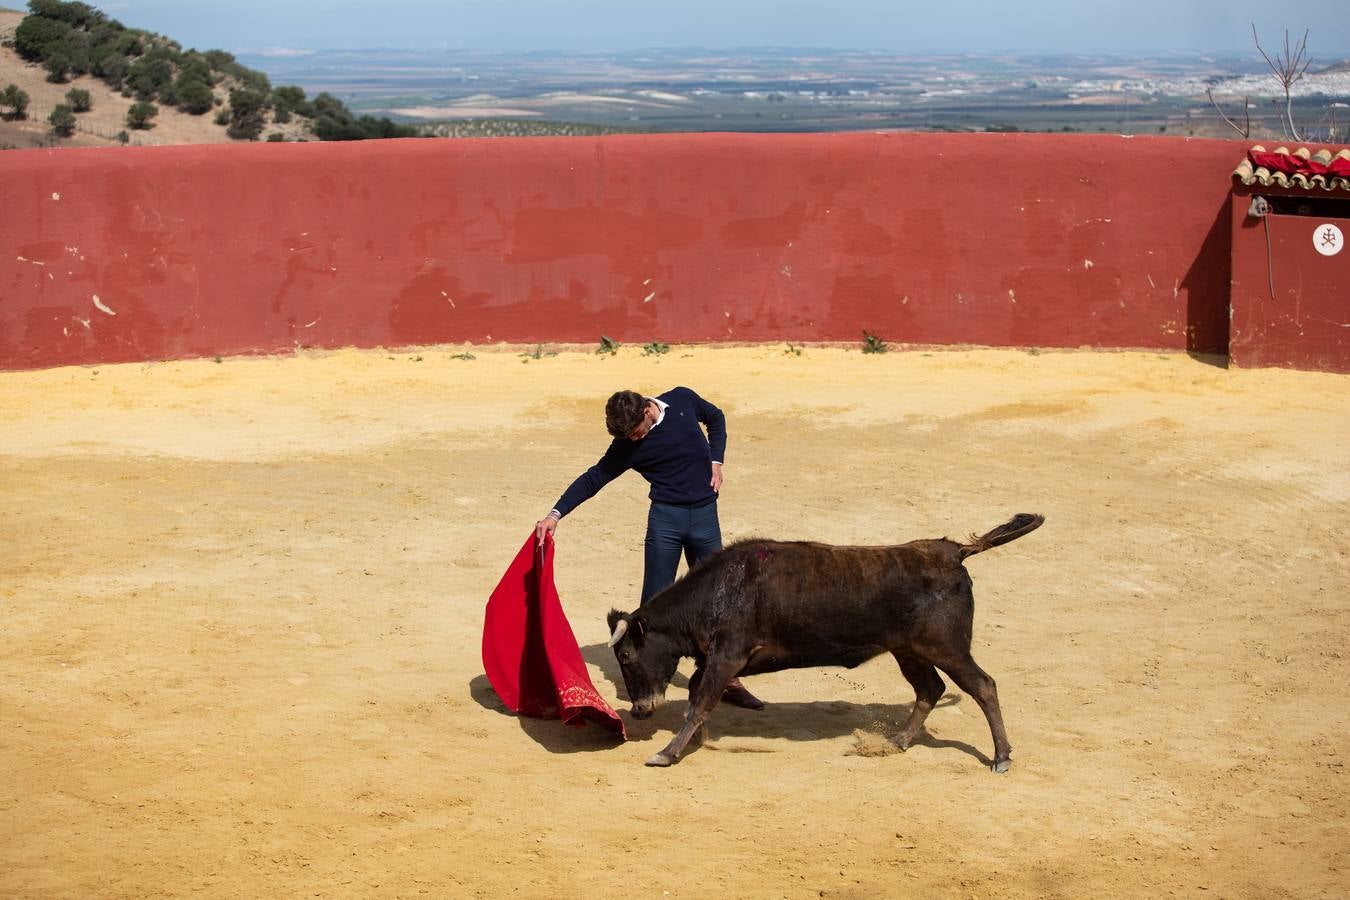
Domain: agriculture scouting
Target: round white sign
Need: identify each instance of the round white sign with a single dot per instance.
(1327, 239)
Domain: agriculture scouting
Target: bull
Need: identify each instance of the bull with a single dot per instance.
(763, 606)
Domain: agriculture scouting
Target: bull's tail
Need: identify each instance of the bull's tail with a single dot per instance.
(1011, 530)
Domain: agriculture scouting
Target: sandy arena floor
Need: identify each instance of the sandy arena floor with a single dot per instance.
(242, 605)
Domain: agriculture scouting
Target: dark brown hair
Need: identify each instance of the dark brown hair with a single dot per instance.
(624, 412)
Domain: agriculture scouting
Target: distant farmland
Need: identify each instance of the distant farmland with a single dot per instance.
(481, 93)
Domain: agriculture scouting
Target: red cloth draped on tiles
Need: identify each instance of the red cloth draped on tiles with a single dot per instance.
(1294, 164)
(529, 652)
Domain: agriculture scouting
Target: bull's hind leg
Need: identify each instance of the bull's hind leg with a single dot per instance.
(976, 682)
(928, 688)
(704, 692)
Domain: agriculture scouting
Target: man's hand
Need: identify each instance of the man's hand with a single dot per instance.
(546, 525)
(717, 477)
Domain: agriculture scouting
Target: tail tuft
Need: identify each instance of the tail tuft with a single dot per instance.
(1011, 530)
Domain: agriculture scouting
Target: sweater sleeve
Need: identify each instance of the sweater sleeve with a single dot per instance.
(613, 464)
(716, 423)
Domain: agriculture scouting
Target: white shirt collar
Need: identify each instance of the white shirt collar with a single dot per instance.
(661, 406)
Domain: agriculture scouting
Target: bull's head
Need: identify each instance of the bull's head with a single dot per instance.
(646, 659)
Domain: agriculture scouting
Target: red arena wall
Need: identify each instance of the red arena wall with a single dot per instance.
(128, 254)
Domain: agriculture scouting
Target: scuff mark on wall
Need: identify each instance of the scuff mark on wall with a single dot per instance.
(101, 307)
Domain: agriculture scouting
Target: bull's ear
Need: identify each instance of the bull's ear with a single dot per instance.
(614, 617)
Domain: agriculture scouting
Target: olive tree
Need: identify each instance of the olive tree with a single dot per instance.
(62, 120)
(80, 100)
(140, 114)
(16, 100)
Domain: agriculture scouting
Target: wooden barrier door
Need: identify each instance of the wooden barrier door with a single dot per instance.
(1291, 286)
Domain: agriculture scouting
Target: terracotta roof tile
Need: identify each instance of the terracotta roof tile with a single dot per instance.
(1249, 173)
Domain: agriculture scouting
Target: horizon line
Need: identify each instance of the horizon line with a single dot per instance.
(795, 48)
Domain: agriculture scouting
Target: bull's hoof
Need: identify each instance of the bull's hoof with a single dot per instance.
(660, 759)
(1001, 766)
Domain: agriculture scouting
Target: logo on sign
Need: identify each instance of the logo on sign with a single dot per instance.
(1327, 239)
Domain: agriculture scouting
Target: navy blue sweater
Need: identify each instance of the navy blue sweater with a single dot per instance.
(675, 456)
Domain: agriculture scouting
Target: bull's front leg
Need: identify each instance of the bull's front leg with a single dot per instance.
(693, 689)
(705, 689)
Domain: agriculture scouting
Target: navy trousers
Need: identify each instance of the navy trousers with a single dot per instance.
(672, 530)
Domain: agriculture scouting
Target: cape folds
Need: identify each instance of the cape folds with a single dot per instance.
(529, 652)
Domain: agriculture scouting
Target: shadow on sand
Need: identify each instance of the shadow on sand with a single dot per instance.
(795, 721)
(550, 734)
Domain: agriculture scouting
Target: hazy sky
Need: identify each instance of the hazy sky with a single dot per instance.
(1184, 26)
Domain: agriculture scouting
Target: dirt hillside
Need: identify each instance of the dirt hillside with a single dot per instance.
(100, 125)
(242, 605)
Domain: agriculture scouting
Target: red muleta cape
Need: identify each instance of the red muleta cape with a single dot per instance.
(529, 652)
(1293, 164)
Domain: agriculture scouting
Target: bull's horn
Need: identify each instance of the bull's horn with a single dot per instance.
(619, 631)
